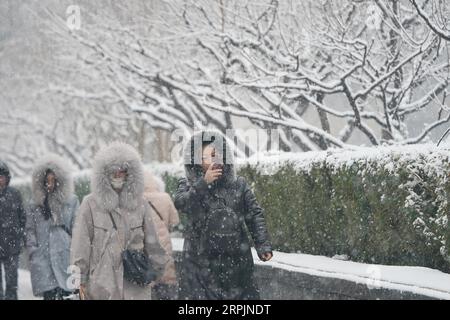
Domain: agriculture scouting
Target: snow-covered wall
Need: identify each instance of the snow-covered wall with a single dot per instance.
(301, 276)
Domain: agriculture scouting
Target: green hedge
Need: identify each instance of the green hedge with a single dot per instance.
(386, 209)
(376, 205)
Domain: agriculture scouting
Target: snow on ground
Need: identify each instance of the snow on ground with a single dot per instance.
(25, 292)
(418, 280)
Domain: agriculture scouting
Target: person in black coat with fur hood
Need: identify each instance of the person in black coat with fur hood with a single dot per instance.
(12, 233)
(221, 209)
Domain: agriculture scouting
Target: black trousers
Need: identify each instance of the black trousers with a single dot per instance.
(163, 291)
(56, 294)
(10, 266)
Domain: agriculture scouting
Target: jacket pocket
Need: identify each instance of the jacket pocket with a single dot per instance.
(102, 238)
(137, 237)
(102, 282)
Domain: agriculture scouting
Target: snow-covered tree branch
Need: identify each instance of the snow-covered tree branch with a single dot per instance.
(310, 69)
(328, 74)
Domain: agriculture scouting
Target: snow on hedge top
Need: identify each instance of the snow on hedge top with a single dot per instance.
(429, 156)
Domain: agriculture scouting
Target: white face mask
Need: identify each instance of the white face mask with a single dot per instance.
(117, 183)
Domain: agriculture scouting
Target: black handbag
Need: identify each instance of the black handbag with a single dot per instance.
(137, 267)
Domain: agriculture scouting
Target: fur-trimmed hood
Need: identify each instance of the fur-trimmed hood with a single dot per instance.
(4, 170)
(115, 156)
(64, 182)
(153, 183)
(192, 155)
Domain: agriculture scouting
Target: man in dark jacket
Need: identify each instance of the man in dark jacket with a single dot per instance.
(12, 233)
(220, 208)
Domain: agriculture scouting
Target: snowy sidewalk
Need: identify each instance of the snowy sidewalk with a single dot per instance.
(25, 291)
(417, 280)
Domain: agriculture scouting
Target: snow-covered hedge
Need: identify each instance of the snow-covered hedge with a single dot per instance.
(384, 205)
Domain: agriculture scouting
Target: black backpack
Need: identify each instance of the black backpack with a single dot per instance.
(222, 230)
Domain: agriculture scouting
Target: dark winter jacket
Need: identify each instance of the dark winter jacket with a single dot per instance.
(227, 276)
(12, 218)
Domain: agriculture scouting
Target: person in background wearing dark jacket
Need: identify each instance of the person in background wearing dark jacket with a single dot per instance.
(220, 207)
(12, 233)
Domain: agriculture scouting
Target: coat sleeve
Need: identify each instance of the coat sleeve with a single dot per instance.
(22, 214)
(187, 197)
(152, 245)
(82, 237)
(74, 211)
(254, 219)
(174, 219)
(31, 239)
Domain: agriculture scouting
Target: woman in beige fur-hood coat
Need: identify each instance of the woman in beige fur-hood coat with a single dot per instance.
(97, 247)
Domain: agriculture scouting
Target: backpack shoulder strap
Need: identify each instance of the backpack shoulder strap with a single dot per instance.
(112, 220)
(156, 210)
(117, 231)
